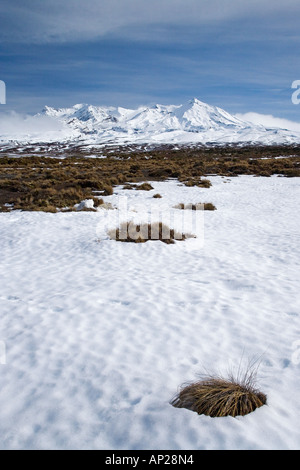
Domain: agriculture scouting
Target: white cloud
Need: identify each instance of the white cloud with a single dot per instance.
(36, 21)
(267, 120)
(10, 122)
(14, 125)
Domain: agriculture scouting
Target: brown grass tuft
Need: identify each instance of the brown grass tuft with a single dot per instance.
(108, 190)
(192, 181)
(208, 206)
(98, 201)
(144, 187)
(218, 397)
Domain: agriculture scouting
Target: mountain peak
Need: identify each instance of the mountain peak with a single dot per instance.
(192, 122)
(196, 101)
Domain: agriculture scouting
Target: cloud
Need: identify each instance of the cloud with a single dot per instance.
(73, 20)
(16, 125)
(267, 120)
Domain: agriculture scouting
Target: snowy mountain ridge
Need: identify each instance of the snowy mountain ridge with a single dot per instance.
(193, 122)
(195, 116)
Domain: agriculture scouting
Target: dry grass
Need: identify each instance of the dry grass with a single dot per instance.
(201, 183)
(139, 187)
(140, 233)
(108, 190)
(144, 187)
(38, 182)
(217, 397)
(98, 201)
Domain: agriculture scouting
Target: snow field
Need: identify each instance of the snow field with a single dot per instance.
(99, 334)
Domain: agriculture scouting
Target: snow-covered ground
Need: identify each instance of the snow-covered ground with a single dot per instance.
(97, 336)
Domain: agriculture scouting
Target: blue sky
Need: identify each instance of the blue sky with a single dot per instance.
(240, 55)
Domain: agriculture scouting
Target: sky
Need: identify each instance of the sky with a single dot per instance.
(240, 55)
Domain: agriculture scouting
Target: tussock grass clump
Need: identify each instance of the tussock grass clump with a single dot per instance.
(218, 397)
(145, 187)
(201, 183)
(108, 190)
(140, 233)
(206, 206)
(98, 201)
(140, 187)
(204, 183)
(209, 206)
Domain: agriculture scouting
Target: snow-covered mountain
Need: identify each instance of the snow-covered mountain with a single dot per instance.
(193, 122)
